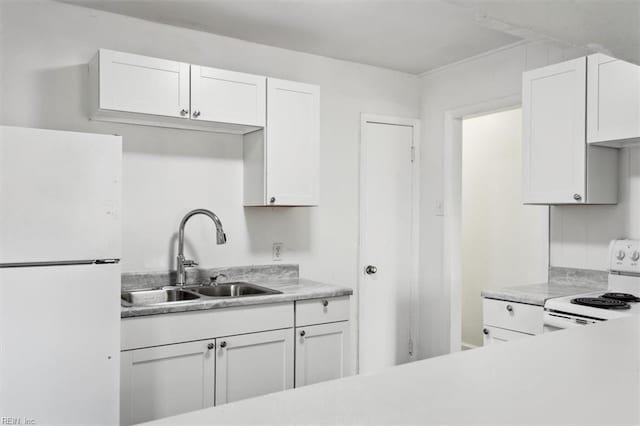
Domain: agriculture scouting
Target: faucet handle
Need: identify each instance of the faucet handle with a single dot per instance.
(216, 278)
(186, 263)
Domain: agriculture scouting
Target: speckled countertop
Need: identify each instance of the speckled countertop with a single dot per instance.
(562, 282)
(283, 278)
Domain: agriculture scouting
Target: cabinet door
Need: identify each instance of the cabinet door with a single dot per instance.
(227, 96)
(498, 335)
(140, 84)
(322, 352)
(292, 141)
(613, 99)
(253, 364)
(553, 140)
(166, 380)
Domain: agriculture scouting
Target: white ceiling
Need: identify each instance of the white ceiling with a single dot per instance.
(602, 25)
(406, 35)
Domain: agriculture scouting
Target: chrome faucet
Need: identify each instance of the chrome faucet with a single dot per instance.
(183, 263)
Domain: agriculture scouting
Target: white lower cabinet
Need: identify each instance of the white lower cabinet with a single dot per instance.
(504, 320)
(253, 364)
(499, 335)
(322, 352)
(179, 362)
(166, 380)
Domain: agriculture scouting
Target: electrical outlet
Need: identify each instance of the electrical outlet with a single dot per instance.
(277, 251)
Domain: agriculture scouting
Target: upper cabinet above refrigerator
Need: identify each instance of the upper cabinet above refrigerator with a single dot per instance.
(135, 89)
(559, 166)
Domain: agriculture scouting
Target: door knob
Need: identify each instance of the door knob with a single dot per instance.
(303, 333)
(196, 113)
(223, 345)
(370, 269)
(184, 112)
(211, 346)
(577, 197)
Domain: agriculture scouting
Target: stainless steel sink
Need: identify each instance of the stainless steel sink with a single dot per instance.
(233, 289)
(157, 297)
(172, 295)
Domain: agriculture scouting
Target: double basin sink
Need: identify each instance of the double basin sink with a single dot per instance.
(172, 295)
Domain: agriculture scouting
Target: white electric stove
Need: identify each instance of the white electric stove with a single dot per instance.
(621, 299)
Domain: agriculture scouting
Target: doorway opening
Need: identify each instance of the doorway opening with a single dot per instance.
(502, 242)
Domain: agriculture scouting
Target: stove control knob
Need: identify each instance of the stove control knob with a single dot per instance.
(635, 255)
(620, 255)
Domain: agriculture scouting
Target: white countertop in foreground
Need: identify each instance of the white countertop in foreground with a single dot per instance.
(586, 375)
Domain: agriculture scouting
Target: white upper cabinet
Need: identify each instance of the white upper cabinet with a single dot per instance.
(281, 162)
(142, 85)
(227, 96)
(558, 167)
(613, 101)
(135, 89)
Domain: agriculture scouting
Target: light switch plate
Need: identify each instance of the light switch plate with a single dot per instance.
(277, 251)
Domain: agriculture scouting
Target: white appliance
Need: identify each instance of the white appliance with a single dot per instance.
(621, 299)
(60, 242)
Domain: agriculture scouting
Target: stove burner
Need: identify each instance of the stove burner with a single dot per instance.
(623, 297)
(600, 302)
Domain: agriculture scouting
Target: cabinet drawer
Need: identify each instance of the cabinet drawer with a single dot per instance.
(498, 335)
(166, 329)
(318, 311)
(513, 316)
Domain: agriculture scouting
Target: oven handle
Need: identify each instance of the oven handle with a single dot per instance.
(554, 321)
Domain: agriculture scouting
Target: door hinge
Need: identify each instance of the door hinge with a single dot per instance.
(410, 347)
(413, 154)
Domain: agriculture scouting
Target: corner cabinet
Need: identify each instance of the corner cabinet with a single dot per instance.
(281, 160)
(613, 101)
(136, 89)
(558, 165)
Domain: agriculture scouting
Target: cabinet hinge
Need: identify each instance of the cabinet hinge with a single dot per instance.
(413, 154)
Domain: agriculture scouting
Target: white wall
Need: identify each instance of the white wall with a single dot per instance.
(580, 236)
(483, 79)
(504, 242)
(45, 48)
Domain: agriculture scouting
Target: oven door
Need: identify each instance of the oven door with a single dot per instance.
(554, 321)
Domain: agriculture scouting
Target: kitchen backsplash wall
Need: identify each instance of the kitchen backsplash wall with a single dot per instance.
(580, 235)
(167, 171)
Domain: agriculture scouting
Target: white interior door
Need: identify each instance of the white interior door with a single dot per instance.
(59, 195)
(386, 244)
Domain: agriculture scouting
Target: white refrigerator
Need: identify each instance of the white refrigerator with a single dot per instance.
(60, 243)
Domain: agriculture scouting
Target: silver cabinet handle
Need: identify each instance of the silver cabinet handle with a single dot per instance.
(485, 331)
(211, 346)
(196, 113)
(303, 333)
(509, 308)
(223, 344)
(370, 270)
(577, 197)
(184, 112)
